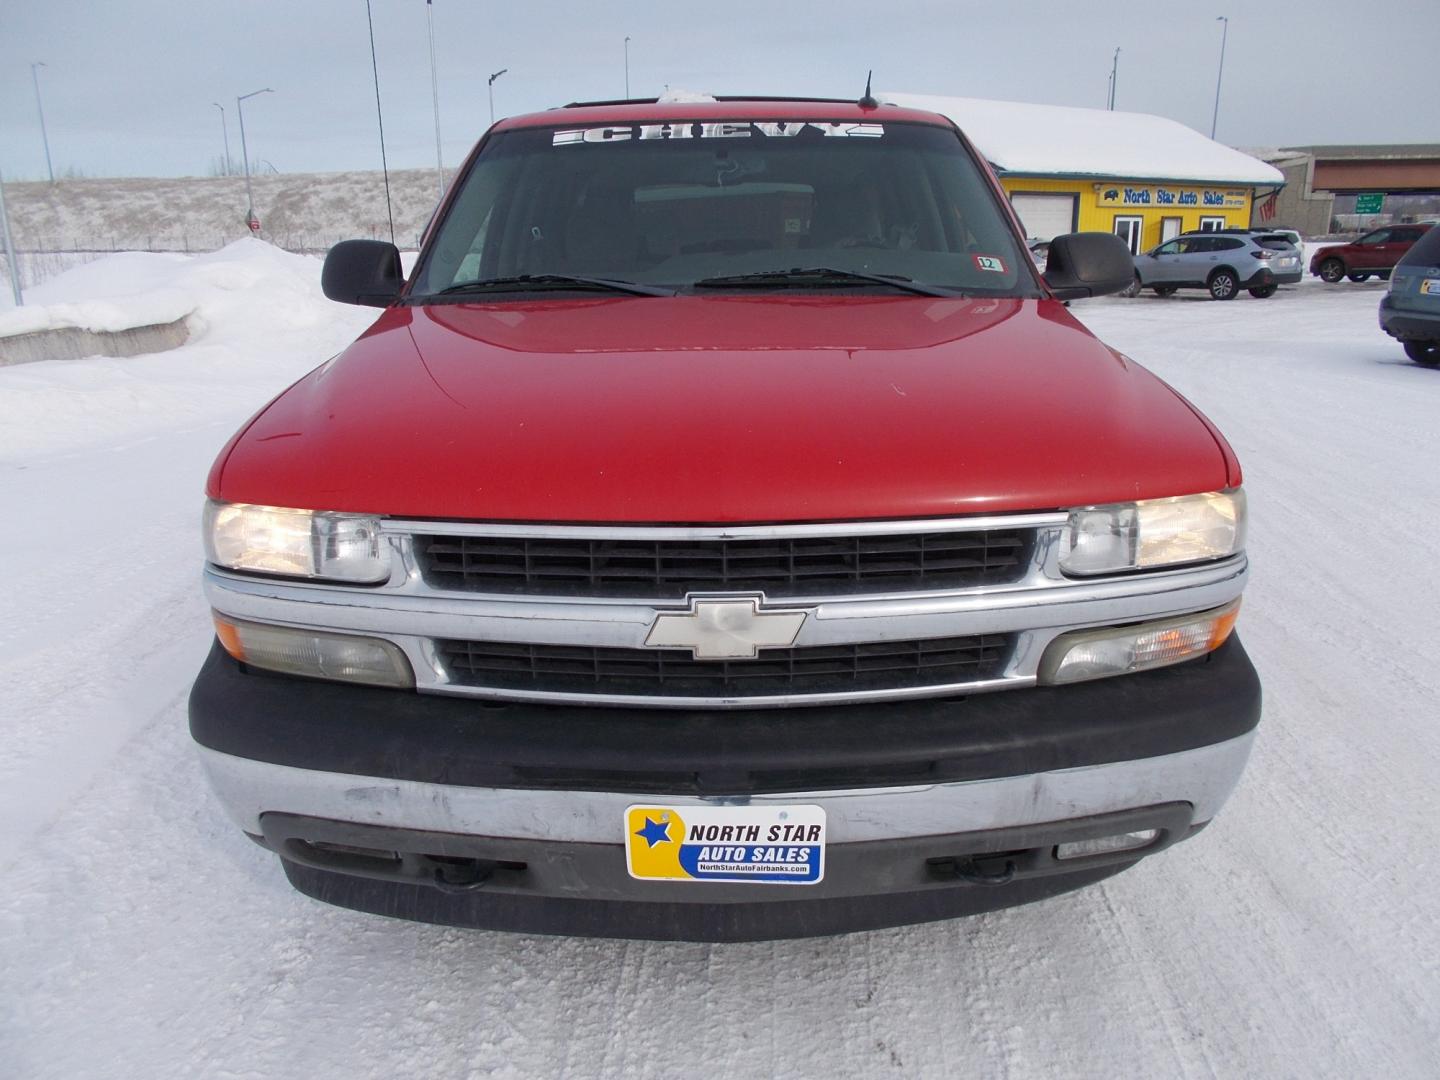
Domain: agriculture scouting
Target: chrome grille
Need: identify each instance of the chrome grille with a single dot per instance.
(671, 569)
(880, 665)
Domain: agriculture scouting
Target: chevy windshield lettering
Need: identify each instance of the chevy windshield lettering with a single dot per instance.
(724, 129)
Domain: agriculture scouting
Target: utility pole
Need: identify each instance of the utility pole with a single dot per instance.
(435, 96)
(45, 138)
(225, 130)
(627, 67)
(1114, 76)
(245, 154)
(10, 249)
(1224, 33)
(491, 88)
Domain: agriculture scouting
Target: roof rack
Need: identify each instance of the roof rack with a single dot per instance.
(718, 97)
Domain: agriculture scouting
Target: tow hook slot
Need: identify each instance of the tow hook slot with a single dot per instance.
(462, 876)
(997, 869)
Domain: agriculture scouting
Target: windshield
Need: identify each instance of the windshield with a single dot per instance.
(679, 203)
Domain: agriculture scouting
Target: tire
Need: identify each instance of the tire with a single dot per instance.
(1133, 289)
(1165, 290)
(1357, 277)
(1223, 285)
(1263, 292)
(1331, 271)
(1383, 275)
(1424, 353)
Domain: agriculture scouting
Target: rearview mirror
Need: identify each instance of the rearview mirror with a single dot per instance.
(365, 272)
(1088, 264)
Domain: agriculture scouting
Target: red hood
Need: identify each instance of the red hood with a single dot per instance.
(723, 409)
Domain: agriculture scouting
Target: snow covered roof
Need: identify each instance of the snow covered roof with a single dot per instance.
(1060, 140)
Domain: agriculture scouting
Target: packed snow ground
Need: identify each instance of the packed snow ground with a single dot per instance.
(141, 935)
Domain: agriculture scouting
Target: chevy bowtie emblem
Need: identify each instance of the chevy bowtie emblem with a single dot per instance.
(725, 629)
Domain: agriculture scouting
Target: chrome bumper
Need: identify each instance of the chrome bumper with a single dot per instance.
(1202, 777)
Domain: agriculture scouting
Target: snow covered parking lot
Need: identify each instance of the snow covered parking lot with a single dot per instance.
(141, 935)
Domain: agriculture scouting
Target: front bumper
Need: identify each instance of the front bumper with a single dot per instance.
(510, 816)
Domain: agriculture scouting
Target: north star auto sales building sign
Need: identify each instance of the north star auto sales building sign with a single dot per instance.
(1193, 198)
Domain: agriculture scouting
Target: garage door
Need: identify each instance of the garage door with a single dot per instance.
(1045, 216)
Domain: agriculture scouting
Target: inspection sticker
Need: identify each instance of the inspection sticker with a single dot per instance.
(772, 844)
(993, 263)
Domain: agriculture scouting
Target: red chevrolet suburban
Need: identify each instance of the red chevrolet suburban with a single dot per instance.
(724, 532)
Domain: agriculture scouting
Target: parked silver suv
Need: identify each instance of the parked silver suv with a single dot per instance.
(1223, 263)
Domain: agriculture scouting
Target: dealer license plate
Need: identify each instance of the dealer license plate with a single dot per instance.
(782, 845)
(1430, 286)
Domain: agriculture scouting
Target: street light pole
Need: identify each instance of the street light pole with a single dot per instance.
(225, 131)
(1224, 33)
(1114, 76)
(9, 249)
(245, 152)
(491, 88)
(627, 67)
(45, 138)
(435, 95)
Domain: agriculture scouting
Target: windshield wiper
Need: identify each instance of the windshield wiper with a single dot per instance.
(820, 275)
(550, 281)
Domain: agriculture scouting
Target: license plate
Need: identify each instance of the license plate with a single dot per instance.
(773, 845)
(1430, 286)
(1287, 262)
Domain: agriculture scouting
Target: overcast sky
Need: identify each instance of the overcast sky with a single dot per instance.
(128, 84)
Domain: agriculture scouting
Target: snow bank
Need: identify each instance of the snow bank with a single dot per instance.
(102, 315)
(257, 320)
(1045, 140)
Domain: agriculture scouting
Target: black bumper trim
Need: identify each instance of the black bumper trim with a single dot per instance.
(1265, 276)
(1405, 325)
(571, 888)
(400, 735)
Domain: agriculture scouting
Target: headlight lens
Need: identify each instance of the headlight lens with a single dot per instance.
(1097, 654)
(1155, 532)
(300, 543)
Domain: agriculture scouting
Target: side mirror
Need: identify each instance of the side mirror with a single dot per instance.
(1088, 264)
(363, 272)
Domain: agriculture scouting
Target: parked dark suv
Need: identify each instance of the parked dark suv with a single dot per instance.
(1374, 253)
(1410, 310)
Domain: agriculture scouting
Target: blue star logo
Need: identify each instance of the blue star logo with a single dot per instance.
(654, 832)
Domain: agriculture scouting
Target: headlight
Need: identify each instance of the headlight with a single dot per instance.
(1155, 532)
(1118, 650)
(300, 543)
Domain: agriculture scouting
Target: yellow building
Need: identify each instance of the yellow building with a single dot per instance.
(1143, 213)
(1142, 177)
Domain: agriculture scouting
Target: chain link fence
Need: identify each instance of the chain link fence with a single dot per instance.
(46, 257)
